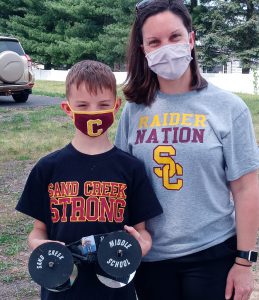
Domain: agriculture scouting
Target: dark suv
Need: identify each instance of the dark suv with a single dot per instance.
(16, 75)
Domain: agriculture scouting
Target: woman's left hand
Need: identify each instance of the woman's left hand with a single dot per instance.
(141, 235)
(240, 282)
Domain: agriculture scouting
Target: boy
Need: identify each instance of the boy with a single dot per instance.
(89, 186)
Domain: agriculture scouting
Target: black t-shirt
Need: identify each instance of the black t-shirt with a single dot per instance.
(77, 195)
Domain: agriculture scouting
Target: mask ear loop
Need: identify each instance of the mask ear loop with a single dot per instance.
(116, 106)
(69, 106)
(71, 111)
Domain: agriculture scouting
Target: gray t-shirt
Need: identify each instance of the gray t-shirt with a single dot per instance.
(192, 145)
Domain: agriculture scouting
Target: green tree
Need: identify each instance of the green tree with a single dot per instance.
(10, 8)
(113, 41)
(59, 33)
(226, 30)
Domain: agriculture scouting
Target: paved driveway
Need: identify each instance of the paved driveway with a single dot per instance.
(33, 101)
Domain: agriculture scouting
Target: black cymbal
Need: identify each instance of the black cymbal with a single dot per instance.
(50, 265)
(119, 255)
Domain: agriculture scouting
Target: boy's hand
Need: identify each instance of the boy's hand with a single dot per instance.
(38, 235)
(141, 235)
(37, 242)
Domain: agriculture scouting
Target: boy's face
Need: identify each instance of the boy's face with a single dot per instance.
(80, 100)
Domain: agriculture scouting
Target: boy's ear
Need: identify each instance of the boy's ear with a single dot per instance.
(118, 104)
(65, 107)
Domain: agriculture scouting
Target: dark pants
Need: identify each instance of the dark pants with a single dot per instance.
(199, 276)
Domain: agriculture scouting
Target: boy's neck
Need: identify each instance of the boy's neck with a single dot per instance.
(91, 146)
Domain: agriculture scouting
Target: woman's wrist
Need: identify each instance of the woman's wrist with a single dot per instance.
(243, 265)
(242, 262)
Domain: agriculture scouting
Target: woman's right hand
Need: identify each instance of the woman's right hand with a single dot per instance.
(240, 282)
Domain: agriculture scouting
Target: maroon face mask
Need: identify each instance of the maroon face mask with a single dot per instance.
(93, 123)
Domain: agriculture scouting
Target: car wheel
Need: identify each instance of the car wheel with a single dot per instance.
(21, 97)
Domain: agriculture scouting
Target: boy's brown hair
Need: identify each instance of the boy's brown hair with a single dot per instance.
(93, 74)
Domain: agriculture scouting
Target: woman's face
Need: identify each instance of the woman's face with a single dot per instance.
(163, 29)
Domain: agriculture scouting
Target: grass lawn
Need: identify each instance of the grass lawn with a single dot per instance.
(49, 88)
(252, 102)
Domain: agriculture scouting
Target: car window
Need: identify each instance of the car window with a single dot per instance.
(11, 46)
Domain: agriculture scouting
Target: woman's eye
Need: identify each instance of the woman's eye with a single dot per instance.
(175, 36)
(151, 43)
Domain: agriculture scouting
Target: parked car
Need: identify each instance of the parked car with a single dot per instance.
(16, 75)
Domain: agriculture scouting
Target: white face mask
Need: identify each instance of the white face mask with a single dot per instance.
(170, 61)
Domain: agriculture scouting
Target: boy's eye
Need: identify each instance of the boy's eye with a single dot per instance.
(104, 105)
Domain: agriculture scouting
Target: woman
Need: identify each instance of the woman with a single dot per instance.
(198, 145)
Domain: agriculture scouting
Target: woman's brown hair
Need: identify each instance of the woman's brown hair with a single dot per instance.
(142, 83)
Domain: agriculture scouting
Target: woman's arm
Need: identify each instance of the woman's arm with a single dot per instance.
(140, 233)
(245, 192)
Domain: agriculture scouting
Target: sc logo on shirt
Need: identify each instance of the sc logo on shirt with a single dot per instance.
(163, 156)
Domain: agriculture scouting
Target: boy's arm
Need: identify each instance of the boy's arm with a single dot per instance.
(38, 235)
(140, 233)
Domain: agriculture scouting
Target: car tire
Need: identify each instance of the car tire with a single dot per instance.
(21, 97)
(11, 66)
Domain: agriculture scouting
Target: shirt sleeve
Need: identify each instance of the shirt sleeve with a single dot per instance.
(121, 138)
(144, 204)
(31, 201)
(240, 149)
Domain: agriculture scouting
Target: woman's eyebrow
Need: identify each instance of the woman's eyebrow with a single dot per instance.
(173, 32)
